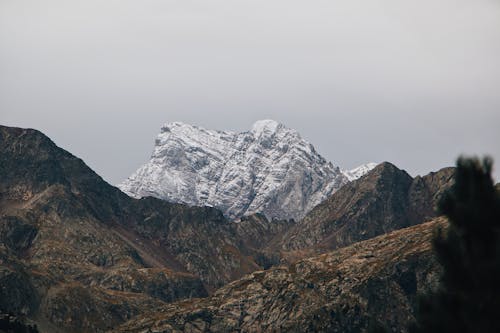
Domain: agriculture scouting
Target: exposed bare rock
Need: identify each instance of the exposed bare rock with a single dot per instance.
(383, 200)
(341, 291)
(270, 169)
(79, 255)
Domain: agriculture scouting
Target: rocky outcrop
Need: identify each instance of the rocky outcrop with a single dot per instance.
(269, 169)
(77, 254)
(383, 200)
(371, 282)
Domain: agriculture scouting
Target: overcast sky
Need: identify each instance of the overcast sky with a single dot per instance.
(412, 82)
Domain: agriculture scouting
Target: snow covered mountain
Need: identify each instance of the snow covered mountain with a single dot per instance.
(269, 169)
(359, 171)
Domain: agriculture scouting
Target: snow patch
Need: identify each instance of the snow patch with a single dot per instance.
(359, 171)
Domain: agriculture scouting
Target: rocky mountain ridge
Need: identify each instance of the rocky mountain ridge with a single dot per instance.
(347, 290)
(383, 200)
(77, 254)
(269, 170)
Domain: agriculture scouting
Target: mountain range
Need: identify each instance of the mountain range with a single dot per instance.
(270, 170)
(79, 255)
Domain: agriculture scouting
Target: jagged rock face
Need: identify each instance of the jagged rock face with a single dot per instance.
(383, 200)
(69, 242)
(269, 169)
(341, 291)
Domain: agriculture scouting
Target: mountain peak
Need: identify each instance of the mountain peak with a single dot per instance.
(387, 168)
(386, 165)
(385, 199)
(172, 124)
(180, 126)
(359, 171)
(266, 126)
(269, 169)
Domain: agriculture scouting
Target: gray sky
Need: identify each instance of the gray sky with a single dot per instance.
(413, 82)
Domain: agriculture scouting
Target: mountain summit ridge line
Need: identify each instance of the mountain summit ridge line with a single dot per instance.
(269, 169)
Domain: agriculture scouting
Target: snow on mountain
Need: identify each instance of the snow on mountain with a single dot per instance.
(359, 171)
(269, 169)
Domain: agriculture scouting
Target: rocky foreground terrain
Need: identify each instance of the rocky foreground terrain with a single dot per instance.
(374, 282)
(78, 255)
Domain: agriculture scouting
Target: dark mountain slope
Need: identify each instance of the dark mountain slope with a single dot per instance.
(341, 291)
(79, 255)
(257, 233)
(384, 200)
